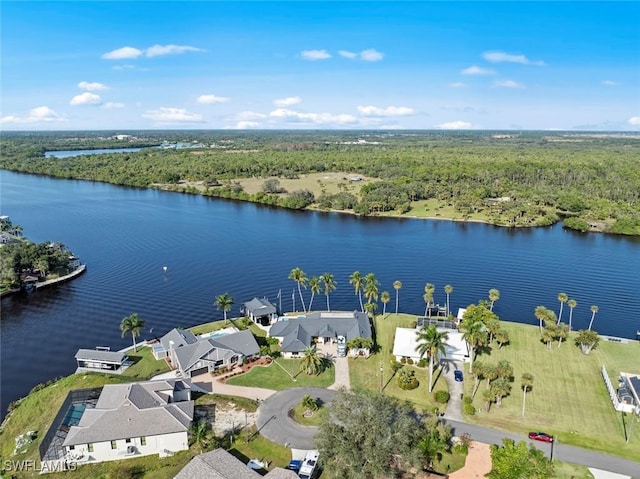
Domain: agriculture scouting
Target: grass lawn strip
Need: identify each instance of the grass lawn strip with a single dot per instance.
(278, 376)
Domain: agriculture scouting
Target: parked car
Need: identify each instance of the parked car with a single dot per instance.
(541, 436)
(294, 465)
(457, 374)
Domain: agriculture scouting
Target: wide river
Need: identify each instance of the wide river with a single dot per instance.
(209, 246)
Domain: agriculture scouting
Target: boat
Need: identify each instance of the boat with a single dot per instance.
(309, 468)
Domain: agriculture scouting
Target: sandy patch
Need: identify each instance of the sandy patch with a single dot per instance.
(225, 418)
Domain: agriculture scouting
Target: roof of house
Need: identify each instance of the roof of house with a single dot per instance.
(243, 342)
(298, 333)
(100, 356)
(405, 343)
(260, 307)
(180, 337)
(219, 464)
(133, 410)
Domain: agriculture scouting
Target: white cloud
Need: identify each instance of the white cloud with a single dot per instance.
(159, 50)
(388, 111)
(457, 84)
(500, 57)
(609, 83)
(243, 125)
(288, 101)
(313, 118)
(347, 54)
(36, 115)
(209, 99)
(476, 70)
(634, 120)
(455, 125)
(86, 98)
(250, 115)
(122, 53)
(315, 55)
(94, 86)
(112, 105)
(371, 55)
(172, 115)
(123, 67)
(508, 84)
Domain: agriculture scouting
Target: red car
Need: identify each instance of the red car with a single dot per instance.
(541, 436)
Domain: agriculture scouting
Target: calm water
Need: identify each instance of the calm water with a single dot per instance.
(211, 246)
(101, 151)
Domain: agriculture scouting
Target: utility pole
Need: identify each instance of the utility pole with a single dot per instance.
(381, 377)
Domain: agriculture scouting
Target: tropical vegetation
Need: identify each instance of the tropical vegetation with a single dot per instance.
(133, 325)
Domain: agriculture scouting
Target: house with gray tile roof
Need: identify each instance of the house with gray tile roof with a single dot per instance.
(219, 464)
(261, 311)
(193, 356)
(131, 420)
(100, 360)
(295, 334)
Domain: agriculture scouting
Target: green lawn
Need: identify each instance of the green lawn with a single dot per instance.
(365, 373)
(146, 366)
(210, 327)
(317, 418)
(565, 470)
(569, 398)
(278, 376)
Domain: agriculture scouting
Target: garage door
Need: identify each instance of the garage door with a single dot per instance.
(198, 372)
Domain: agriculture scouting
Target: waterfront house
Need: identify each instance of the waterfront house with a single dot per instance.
(131, 420)
(101, 360)
(192, 356)
(261, 311)
(406, 341)
(296, 334)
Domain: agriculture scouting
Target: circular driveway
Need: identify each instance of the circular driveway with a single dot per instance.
(275, 424)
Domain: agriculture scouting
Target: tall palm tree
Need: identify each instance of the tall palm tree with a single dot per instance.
(475, 334)
(448, 289)
(428, 297)
(562, 332)
(224, 302)
(430, 342)
(371, 287)
(314, 286)
(527, 384)
(541, 315)
(562, 297)
(329, 285)
(132, 324)
(501, 387)
(356, 280)
(299, 276)
(594, 310)
(494, 295)
(397, 285)
(572, 303)
(385, 297)
(311, 362)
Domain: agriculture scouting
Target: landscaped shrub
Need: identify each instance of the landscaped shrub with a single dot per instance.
(407, 379)
(409, 361)
(469, 409)
(467, 400)
(441, 396)
(403, 360)
(423, 363)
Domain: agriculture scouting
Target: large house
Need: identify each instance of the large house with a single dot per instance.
(261, 311)
(296, 334)
(130, 420)
(193, 356)
(405, 342)
(219, 464)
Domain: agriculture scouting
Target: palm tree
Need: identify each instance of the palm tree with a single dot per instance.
(488, 397)
(549, 334)
(311, 362)
(132, 324)
(490, 373)
(562, 332)
(527, 384)
(594, 310)
(479, 376)
(42, 265)
(397, 285)
(224, 302)
(329, 285)
(475, 334)
(300, 278)
(430, 341)
(314, 286)
(504, 369)
(494, 295)
(198, 431)
(587, 340)
(448, 289)
(385, 297)
(541, 313)
(17, 230)
(502, 337)
(371, 288)
(562, 297)
(501, 387)
(428, 297)
(432, 446)
(572, 303)
(356, 280)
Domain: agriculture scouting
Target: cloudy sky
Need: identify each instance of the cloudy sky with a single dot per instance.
(316, 65)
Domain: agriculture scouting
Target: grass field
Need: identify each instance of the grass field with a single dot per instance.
(569, 398)
(279, 374)
(145, 365)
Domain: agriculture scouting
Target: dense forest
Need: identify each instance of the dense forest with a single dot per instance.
(590, 181)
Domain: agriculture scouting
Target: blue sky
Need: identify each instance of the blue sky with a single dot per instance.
(320, 65)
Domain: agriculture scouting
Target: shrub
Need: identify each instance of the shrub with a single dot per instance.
(423, 363)
(469, 409)
(409, 361)
(467, 400)
(403, 360)
(441, 396)
(407, 380)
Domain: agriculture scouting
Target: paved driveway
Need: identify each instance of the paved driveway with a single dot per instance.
(456, 390)
(275, 424)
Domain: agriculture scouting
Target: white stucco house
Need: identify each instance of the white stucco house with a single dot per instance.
(405, 344)
(131, 420)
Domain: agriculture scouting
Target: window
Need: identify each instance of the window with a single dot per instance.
(113, 445)
(143, 441)
(128, 441)
(71, 448)
(90, 447)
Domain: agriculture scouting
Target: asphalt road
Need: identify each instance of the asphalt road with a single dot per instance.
(561, 452)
